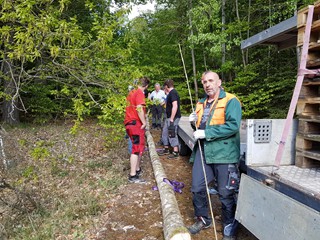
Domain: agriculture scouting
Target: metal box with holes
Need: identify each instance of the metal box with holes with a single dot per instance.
(262, 140)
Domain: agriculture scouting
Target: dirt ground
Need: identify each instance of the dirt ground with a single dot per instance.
(136, 212)
(121, 211)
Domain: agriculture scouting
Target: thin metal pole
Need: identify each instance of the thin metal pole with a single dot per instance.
(200, 149)
(297, 89)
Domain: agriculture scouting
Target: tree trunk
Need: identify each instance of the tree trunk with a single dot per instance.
(173, 226)
(238, 18)
(10, 111)
(205, 61)
(223, 45)
(193, 57)
(248, 31)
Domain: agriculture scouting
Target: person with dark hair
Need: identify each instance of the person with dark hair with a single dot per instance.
(217, 120)
(169, 131)
(158, 99)
(135, 123)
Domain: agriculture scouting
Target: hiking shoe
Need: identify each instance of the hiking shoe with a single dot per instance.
(173, 155)
(199, 225)
(213, 191)
(139, 172)
(229, 238)
(164, 152)
(135, 179)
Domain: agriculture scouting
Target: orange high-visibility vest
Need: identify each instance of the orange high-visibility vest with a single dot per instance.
(219, 113)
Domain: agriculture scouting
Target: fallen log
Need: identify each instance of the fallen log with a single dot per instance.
(173, 226)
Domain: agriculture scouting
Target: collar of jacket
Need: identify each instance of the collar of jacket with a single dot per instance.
(222, 94)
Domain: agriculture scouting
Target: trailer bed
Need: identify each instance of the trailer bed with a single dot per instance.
(301, 184)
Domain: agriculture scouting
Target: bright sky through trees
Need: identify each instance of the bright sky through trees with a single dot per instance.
(138, 9)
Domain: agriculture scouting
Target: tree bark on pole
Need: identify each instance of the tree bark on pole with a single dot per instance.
(173, 226)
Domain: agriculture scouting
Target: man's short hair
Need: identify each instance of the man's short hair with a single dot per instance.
(144, 81)
(168, 83)
(210, 71)
(157, 84)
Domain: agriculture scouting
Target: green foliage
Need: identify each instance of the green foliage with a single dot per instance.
(30, 173)
(65, 56)
(40, 152)
(22, 142)
(94, 165)
(75, 59)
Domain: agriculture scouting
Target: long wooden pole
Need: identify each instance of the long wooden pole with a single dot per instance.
(173, 226)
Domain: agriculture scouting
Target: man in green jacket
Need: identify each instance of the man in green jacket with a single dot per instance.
(217, 119)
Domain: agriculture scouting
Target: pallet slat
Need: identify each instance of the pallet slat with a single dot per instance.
(308, 107)
(308, 142)
(307, 126)
(307, 159)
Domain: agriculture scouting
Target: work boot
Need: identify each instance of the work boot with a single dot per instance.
(229, 238)
(164, 151)
(199, 225)
(173, 155)
(230, 230)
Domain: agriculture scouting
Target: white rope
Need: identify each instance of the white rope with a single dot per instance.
(200, 149)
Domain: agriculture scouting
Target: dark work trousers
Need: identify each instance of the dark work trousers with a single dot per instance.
(227, 197)
(157, 112)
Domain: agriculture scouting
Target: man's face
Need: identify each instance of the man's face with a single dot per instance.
(211, 83)
(166, 90)
(157, 87)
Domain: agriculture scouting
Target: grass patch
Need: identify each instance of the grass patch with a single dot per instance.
(93, 165)
(71, 183)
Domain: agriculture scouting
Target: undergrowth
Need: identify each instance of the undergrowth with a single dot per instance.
(70, 177)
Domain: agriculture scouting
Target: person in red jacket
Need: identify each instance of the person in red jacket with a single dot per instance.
(135, 123)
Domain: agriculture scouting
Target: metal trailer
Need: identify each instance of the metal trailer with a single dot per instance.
(275, 201)
(282, 206)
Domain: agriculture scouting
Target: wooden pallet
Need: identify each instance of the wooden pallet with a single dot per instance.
(309, 126)
(313, 60)
(312, 81)
(314, 34)
(307, 159)
(310, 92)
(303, 14)
(308, 107)
(308, 142)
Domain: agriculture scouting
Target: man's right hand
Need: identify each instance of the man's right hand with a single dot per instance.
(193, 117)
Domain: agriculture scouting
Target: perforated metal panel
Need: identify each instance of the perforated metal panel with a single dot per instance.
(262, 131)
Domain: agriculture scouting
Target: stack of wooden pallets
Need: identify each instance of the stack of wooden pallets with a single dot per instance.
(308, 106)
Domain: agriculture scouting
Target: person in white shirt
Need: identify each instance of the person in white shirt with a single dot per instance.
(158, 97)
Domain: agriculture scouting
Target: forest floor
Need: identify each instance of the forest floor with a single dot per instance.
(81, 191)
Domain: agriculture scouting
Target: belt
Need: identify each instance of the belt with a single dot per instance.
(134, 122)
